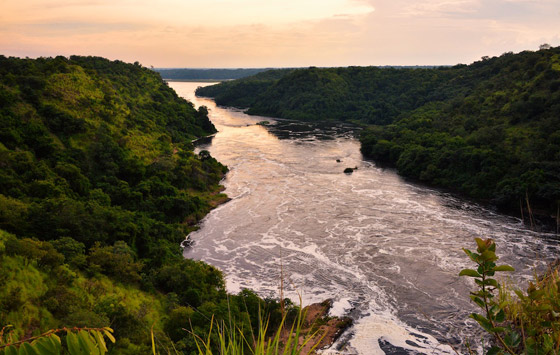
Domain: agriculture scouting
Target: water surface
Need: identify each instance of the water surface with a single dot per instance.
(387, 251)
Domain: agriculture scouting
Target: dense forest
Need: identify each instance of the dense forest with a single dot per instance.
(489, 130)
(99, 185)
(206, 74)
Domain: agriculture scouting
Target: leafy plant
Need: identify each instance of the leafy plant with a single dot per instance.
(492, 320)
(79, 341)
(231, 340)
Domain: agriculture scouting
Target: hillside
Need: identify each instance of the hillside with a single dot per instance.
(206, 74)
(99, 185)
(489, 130)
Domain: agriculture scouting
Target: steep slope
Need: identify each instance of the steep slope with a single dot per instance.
(99, 185)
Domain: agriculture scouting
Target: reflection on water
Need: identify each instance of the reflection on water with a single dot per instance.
(386, 250)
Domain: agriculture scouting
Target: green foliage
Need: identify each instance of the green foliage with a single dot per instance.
(489, 130)
(493, 317)
(223, 337)
(86, 341)
(526, 325)
(99, 185)
(206, 74)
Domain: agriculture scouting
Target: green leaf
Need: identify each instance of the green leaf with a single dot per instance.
(100, 342)
(512, 339)
(27, 349)
(478, 301)
(489, 256)
(497, 329)
(72, 343)
(57, 343)
(492, 282)
(483, 321)
(520, 294)
(469, 272)
(153, 343)
(481, 244)
(11, 350)
(46, 346)
(536, 294)
(86, 343)
(503, 268)
(500, 317)
(494, 350)
(107, 331)
(473, 256)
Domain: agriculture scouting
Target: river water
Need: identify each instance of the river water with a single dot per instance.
(387, 251)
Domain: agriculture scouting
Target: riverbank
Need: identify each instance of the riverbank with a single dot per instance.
(389, 249)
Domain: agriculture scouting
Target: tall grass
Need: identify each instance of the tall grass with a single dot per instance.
(287, 339)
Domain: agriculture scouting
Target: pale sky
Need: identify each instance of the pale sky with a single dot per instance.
(277, 33)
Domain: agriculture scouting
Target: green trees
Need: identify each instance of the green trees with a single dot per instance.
(99, 185)
(480, 129)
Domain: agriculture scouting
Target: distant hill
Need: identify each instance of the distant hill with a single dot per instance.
(489, 130)
(206, 74)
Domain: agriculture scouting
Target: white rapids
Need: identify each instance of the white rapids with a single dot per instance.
(388, 252)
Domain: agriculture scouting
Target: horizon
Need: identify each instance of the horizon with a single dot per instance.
(278, 34)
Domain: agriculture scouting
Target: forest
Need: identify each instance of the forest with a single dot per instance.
(99, 185)
(206, 74)
(489, 130)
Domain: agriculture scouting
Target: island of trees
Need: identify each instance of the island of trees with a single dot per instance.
(489, 130)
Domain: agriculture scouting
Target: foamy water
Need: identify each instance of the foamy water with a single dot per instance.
(387, 252)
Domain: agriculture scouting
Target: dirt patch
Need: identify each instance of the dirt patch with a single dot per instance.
(319, 330)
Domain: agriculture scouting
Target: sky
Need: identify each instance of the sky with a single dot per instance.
(277, 33)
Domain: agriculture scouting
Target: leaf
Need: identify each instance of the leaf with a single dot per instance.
(489, 256)
(500, 317)
(478, 301)
(512, 339)
(536, 294)
(153, 342)
(469, 272)
(107, 331)
(492, 282)
(473, 256)
(483, 321)
(100, 342)
(46, 346)
(494, 350)
(27, 349)
(497, 329)
(86, 343)
(520, 294)
(57, 343)
(10, 350)
(72, 343)
(481, 244)
(503, 268)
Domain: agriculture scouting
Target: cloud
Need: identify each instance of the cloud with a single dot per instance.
(241, 33)
(57, 29)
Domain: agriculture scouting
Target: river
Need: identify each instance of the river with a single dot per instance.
(387, 251)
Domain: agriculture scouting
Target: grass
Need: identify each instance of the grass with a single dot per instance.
(288, 339)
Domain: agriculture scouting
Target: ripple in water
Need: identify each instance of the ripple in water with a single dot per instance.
(387, 251)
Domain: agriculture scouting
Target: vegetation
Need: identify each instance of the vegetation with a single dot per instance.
(527, 324)
(206, 74)
(99, 185)
(78, 341)
(489, 130)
